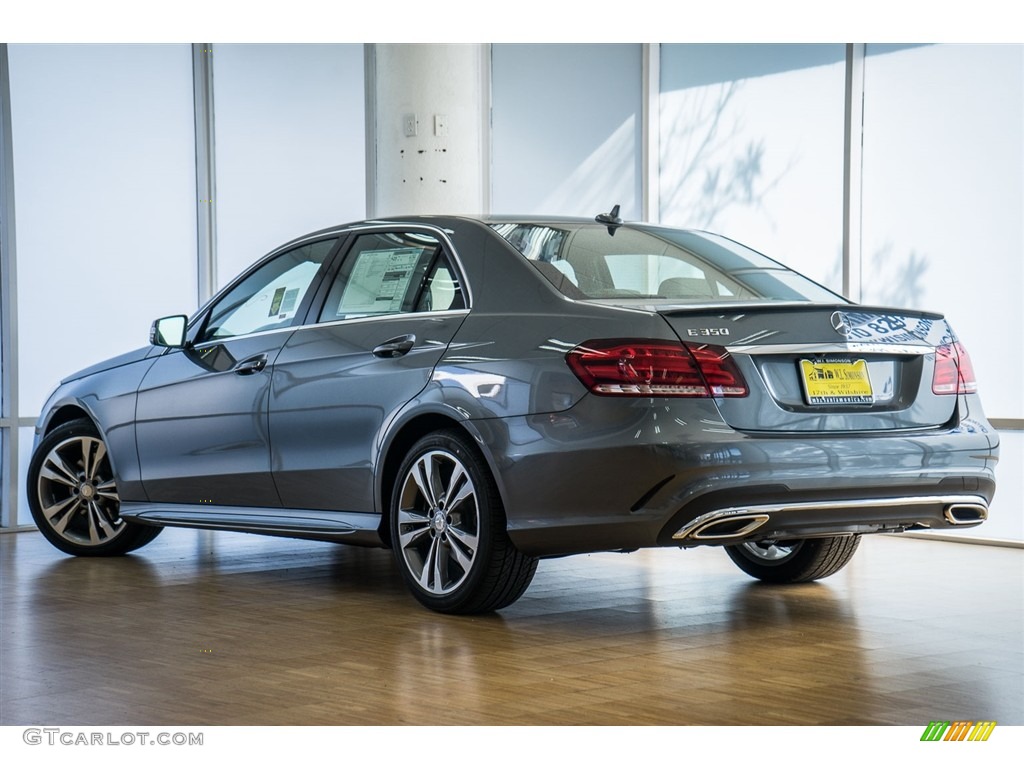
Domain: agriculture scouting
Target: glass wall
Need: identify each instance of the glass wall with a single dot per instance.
(944, 197)
(104, 166)
(8, 408)
(565, 134)
(751, 140)
(105, 162)
(943, 214)
(751, 145)
(290, 145)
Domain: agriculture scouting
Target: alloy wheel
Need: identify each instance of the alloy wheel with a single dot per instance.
(77, 493)
(770, 551)
(438, 522)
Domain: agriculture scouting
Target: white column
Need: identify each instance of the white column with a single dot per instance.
(650, 209)
(206, 171)
(853, 141)
(430, 111)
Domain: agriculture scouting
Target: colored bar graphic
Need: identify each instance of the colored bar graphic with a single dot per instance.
(959, 730)
(935, 730)
(982, 730)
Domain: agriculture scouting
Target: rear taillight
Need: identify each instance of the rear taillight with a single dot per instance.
(652, 368)
(954, 373)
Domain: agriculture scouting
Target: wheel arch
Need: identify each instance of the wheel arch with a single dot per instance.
(66, 414)
(73, 410)
(397, 447)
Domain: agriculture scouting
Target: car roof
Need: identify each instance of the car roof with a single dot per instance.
(440, 220)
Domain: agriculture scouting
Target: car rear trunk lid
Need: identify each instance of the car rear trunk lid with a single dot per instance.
(825, 368)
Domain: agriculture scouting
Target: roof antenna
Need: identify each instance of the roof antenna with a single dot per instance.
(611, 219)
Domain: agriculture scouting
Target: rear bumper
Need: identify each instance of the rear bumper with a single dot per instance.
(821, 516)
(620, 474)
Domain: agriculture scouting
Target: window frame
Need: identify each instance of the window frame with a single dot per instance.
(199, 322)
(348, 248)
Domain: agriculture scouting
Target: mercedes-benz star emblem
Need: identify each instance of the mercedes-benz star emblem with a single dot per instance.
(840, 324)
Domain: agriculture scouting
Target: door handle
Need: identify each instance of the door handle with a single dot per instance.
(251, 366)
(395, 347)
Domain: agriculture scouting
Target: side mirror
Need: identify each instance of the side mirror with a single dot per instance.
(169, 331)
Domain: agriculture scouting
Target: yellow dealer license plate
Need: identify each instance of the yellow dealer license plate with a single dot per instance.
(844, 382)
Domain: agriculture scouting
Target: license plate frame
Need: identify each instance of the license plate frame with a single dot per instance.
(836, 382)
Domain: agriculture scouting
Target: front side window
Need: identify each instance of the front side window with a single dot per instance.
(389, 273)
(270, 297)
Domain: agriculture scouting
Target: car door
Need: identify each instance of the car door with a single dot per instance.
(201, 421)
(388, 315)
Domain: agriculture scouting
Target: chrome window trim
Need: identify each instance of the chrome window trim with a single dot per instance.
(198, 314)
(384, 316)
(348, 321)
(339, 234)
(390, 223)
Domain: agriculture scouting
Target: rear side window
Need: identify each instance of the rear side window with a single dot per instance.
(392, 273)
(588, 262)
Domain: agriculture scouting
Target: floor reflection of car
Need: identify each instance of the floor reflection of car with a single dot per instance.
(481, 393)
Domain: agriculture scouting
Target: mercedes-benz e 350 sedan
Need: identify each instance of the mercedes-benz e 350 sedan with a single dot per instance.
(480, 393)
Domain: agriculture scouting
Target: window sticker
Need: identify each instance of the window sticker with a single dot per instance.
(275, 303)
(289, 301)
(379, 281)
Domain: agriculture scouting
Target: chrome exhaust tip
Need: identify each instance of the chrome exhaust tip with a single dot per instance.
(965, 514)
(733, 524)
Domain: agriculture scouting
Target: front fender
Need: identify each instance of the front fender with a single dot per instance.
(108, 399)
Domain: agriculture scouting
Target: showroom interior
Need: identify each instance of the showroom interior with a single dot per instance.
(137, 180)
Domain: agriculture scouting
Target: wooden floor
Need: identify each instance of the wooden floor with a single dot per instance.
(229, 629)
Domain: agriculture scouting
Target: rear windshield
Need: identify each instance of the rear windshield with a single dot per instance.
(587, 262)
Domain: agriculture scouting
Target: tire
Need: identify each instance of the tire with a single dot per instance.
(790, 562)
(72, 494)
(448, 530)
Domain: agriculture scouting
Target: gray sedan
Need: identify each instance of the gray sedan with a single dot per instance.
(480, 393)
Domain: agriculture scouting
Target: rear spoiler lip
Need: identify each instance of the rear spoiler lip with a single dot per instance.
(841, 347)
(741, 308)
